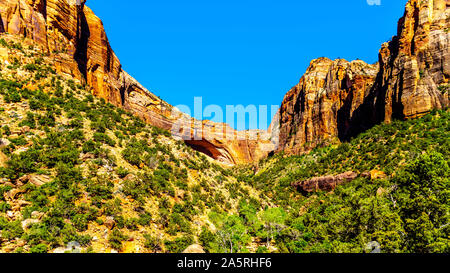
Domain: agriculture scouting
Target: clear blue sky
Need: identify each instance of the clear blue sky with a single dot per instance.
(239, 51)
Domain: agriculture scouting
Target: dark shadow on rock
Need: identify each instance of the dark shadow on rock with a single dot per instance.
(397, 105)
(373, 109)
(343, 116)
(2, 28)
(83, 35)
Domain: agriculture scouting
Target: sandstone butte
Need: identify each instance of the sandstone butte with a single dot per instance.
(333, 101)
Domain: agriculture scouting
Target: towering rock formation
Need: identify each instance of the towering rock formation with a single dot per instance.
(319, 109)
(415, 65)
(71, 33)
(337, 99)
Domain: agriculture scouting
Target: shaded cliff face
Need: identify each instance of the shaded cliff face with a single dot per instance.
(415, 65)
(71, 33)
(221, 142)
(319, 109)
(336, 100)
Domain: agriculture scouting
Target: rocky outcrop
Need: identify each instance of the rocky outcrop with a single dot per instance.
(415, 65)
(37, 180)
(221, 142)
(71, 33)
(330, 182)
(324, 183)
(321, 106)
(336, 100)
(194, 249)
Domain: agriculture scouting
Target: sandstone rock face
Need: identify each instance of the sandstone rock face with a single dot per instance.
(415, 65)
(337, 99)
(321, 106)
(221, 142)
(333, 101)
(4, 56)
(325, 183)
(71, 33)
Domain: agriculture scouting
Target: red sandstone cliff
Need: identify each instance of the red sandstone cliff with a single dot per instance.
(415, 65)
(337, 99)
(320, 107)
(71, 33)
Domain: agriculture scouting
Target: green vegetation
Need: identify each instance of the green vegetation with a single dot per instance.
(101, 166)
(82, 170)
(444, 88)
(406, 212)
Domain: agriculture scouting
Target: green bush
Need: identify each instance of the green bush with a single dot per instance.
(152, 243)
(41, 248)
(115, 239)
(179, 244)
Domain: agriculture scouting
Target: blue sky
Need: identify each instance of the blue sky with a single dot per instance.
(233, 52)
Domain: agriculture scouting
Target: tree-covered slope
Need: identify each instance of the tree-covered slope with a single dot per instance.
(405, 211)
(77, 171)
(78, 174)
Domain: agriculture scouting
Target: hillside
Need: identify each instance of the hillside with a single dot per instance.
(80, 174)
(78, 169)
(400, 201)
(76, 38)
(88, 164)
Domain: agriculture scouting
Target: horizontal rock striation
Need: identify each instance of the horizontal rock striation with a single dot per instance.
(321, 106)
(336, 100)
(324, 183)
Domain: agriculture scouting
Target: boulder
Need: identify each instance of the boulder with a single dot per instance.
(91, 59)
(87, 156)
(12, 194)
(324, 183)
(110, 223)
(4, 56)
(19, 204)
(381, 192)
(72, 247)
(374, 174)
(37, 180)
(194, 249)
(28, 223)
(4, 142)
(37, 215)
